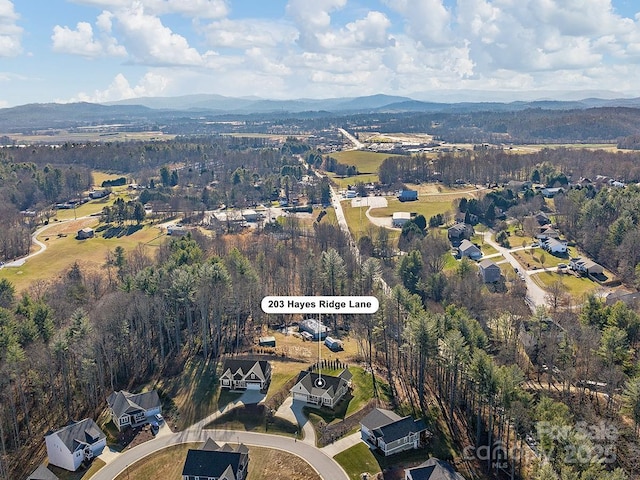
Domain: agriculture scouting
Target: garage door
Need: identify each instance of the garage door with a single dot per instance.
(300, 396)
(253, 386)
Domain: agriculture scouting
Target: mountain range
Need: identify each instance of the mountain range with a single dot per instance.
(165, 109)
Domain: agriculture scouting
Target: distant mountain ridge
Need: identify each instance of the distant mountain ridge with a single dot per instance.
(163, 110)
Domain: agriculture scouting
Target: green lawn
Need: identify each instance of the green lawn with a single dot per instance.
(63, 474)
(423, 206)
(365, 161)
(63, 251)
(357, 460)
(575, 286)
(530, 258)
(343, 182)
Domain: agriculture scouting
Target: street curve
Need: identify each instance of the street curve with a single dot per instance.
(327, 467)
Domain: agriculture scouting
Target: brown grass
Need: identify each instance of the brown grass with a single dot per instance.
(264, 463)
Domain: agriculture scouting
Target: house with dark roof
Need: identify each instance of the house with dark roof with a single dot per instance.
(77, 442)
(388, 432)
(321, 390)
(133, 409)
(489, 271)
(215, 462)
(245, 374)
(459, 232)
(433, 469)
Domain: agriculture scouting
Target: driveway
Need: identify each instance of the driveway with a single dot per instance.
(292, 410)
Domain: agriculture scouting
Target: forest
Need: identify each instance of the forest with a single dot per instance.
(450, 350)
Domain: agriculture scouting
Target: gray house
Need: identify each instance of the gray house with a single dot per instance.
(315, 329)
(390, 433)
(459, 232)
(489, 271)
(468, 249)
(433, 469)
(129, 409)
(215, 462)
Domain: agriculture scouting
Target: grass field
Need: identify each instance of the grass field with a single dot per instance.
(62, 251)
(358, 460)
(366, 162)
(64, 136)
(577, 287)
(254, 418)
(167, 464)
(428, 208)
(531, 260)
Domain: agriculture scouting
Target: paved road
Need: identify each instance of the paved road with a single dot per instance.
(357, 144)
(321, 461)
(326, 467)
(536, 295)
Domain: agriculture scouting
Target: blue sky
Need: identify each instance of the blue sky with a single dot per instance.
(106, 50)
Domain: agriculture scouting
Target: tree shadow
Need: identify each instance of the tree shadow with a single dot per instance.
(120, 231)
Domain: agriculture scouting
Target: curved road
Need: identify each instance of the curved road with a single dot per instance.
(326, 467)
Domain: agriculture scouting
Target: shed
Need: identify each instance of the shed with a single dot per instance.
(333, 344)
(267, 341)
(85, 233)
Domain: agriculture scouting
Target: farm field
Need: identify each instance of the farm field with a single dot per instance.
(88, 136)
(366, 162)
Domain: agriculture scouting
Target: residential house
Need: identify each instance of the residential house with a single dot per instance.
(94, 194)
(489, 271)
(390, 433)
(547, 232)
(433, 469)
(314, 328)
(78, 442)
(215, 462)
(459, 232)
(42, 473)
(85, 233)
(542, 218)
(468, 249)
(628, 298)
(584, 265)
(177, 230)
(551, 192)
(321, 390)
(554, 246)
(400, 218)
(129, 409)
(245, 374)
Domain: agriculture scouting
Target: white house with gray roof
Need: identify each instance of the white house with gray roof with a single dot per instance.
(71, 445)
(130, 410)
(321, 390)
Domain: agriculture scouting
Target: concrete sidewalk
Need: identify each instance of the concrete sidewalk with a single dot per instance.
(341, 445)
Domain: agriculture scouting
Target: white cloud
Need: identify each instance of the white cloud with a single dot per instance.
(81, 41)
(151, 84)
(368, 32)
(150, 42)
(427, 21)
(249, 33)
(190, 8)
(312, 18)
(10, 32)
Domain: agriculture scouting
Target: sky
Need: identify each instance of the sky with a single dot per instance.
(108, 50)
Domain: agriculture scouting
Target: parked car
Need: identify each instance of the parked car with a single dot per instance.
(535, 245)
(158, 418)
(562, 265)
